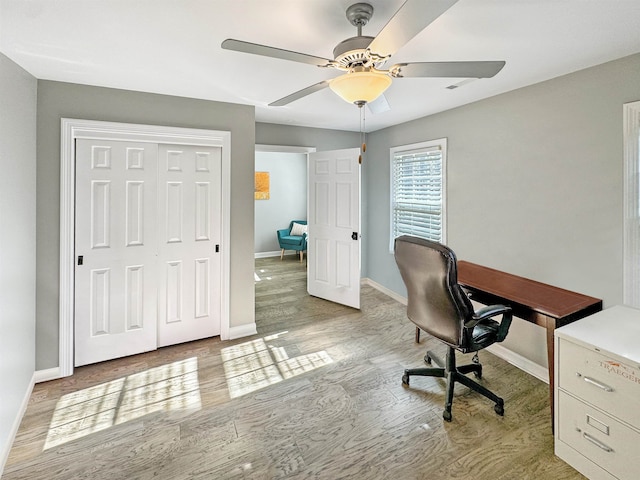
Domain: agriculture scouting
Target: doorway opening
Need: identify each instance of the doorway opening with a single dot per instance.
(285, 171)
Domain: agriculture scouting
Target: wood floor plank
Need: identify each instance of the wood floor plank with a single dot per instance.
(316, 394)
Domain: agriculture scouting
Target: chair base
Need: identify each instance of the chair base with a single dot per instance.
(453, 374)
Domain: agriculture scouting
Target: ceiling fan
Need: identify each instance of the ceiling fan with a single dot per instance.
(362, 58)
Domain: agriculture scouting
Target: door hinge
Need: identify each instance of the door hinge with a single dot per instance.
(217, 248)
(80, 259)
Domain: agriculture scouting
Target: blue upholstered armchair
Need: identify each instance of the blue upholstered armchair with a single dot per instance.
(293, 238)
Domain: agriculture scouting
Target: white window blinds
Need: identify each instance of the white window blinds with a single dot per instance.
(417, 191)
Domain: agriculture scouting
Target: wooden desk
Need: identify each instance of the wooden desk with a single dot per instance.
(545, 305)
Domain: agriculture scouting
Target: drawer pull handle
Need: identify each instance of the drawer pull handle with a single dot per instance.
(597, 442)
(604, 387)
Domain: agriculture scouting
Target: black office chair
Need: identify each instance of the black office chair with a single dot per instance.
(438, 305)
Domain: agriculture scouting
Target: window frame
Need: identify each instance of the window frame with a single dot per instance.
(441, 144)
(631, 192)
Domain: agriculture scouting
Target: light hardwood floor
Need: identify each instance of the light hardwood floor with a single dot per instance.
(316, 394)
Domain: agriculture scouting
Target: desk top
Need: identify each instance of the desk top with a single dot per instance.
(542, 298)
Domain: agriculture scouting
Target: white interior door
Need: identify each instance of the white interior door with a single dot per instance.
(188, 256)
(148, 231)
(334, 226)
(115, 268)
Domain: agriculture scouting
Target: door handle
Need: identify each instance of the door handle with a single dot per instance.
(354, 236)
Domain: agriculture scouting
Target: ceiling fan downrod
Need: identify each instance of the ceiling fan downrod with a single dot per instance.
(359, 15)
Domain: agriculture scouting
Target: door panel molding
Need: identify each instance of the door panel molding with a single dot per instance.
(72, 129)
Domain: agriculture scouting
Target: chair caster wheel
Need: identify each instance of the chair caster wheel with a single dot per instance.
(405, 379)
(478, 374)
(427, 359)
(499, 409)
(446, 415)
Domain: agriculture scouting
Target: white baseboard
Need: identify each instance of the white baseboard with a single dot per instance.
(4, 454)
(242, 331)
(385, 290)
(515, 359)
(267, 254)
(46, 375)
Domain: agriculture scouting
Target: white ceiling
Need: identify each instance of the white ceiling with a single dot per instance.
(173, 47)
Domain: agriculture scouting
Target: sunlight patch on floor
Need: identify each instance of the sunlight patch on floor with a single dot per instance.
(169, 387)
(255, 364)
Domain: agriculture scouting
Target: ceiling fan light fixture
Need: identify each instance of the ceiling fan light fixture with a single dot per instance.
(359, 87)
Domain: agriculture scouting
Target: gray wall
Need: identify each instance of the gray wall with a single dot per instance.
(320, 138)
(287, 200)
(534, 182)
(57, 100)
(17, 244)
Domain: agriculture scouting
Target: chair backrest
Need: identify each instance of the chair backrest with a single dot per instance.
(436, 303)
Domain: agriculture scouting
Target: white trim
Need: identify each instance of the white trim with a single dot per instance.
(515, 359)
(72, 129)
(6, 448)
(46, 375)
(631, 250)
(390, 293)
(267, 254)
(283, 149)
(242, 331)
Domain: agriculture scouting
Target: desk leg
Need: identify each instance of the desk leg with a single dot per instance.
(417, 334)
(551, 327)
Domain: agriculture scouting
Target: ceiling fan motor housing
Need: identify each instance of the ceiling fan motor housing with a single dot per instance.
(352, 52)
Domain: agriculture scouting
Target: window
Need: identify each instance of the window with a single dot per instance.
(418, 186)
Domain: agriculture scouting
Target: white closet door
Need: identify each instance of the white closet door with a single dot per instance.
(334, 226)
(115, 272)
(190, 229)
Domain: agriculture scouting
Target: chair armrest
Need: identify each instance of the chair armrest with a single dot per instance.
(489, 312)
(282, 233)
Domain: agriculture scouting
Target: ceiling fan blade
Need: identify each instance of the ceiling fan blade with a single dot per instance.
(299, 94)
(409, 20)
(447, 69)
(265, 51)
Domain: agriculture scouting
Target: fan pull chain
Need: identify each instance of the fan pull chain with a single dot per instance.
(363, 147)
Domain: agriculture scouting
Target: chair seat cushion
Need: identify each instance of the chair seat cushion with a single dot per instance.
(484, 334)
(291, 240)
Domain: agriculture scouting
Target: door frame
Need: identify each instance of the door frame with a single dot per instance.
(72, 129)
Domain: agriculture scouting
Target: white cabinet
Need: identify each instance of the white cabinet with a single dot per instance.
(597, 397)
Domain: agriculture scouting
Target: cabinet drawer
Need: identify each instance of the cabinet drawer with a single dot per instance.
(600, 380)
(600, 438)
